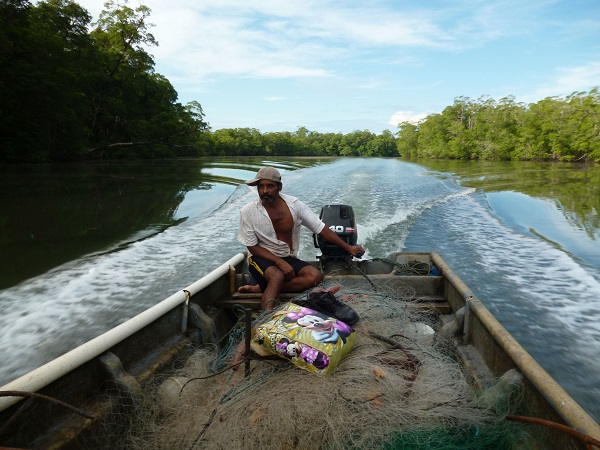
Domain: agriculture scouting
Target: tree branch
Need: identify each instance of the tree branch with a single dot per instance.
(152, 141)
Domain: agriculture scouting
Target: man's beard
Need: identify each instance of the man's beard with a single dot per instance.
(267, 199)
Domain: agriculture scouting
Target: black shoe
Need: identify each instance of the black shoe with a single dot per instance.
(327, 303)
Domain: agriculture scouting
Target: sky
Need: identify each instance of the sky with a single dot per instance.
(342, 66)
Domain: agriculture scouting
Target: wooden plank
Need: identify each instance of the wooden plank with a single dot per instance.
(428, 299)
(252, 303)
(441, 307)
(252, 295)
(422, 303)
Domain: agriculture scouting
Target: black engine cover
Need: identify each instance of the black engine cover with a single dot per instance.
(340, 219)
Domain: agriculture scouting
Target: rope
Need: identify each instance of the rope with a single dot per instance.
(365, 275)
(33, 395)
(45, 397)
(557, 426)
(408, 268)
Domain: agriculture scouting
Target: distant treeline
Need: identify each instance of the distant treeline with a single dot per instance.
(557, 129)
(73, 90)
(302, 142)
(562, 129)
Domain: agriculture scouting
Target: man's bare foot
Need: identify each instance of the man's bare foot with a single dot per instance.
(240, 353)
(332, 289)
(250, 288)
(268, 305)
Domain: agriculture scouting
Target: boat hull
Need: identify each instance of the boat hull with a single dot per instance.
(144, 346)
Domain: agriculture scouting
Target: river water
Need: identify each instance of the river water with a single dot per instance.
(94, 246)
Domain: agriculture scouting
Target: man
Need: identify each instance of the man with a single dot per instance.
(270, 229)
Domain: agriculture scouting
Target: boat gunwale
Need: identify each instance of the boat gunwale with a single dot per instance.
(562, 403)
(42, 376)
(545, 387)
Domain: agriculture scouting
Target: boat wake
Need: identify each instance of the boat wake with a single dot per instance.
(51, 314)
(541, 294)
(548, 298)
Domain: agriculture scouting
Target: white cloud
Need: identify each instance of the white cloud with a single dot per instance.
(580, 78)
(354, 59)
(274, 39)
(202, 43)
(406, 116)
(569, 80)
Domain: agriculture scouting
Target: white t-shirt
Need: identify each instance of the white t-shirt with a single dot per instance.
(256, 227)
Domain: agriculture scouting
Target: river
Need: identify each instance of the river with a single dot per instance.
(85, 248)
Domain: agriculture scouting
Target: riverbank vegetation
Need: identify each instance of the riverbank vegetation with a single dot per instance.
(563, 129)
(553, 129)
(76, 90)
(73, 90)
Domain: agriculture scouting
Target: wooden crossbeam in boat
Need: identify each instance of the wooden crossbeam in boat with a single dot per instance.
(433, 302)
(251, 295)
(252, 301)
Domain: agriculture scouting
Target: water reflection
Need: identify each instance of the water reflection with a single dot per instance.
(574, 187)
(52, 214)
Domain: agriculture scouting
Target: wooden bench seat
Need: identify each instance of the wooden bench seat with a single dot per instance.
(252, 301)
(249, 295)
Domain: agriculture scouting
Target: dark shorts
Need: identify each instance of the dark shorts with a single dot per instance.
(258, 266)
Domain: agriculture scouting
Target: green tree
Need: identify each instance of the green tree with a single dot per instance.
(43, 51)
(581, 125)
(330, 144)
(537, 132)
(383, 144)
(551, 129)
(407, 143)
(460, 121)
(433, 137)
(279, 143)
(119, 35)
(67, 93)
(356, 143)
(135, 110)
(239, 142)
(497, 128)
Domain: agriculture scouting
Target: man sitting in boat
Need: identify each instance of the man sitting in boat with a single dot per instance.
(270, 229)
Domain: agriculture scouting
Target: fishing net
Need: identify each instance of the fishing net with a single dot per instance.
(400, 387)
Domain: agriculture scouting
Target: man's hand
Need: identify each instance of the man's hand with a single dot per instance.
(357, 251)
(288, 271)
(261, 252)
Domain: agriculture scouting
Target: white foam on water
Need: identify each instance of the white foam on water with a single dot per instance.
(49, 315)
(552, 279)
(383, 193)
(547, 298)
(541, 293)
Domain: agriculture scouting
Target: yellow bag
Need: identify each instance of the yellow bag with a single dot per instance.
(309, 339)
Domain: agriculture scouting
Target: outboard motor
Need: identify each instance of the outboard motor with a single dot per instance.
(340, 219)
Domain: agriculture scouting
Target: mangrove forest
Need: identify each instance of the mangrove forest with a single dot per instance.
(73, 90)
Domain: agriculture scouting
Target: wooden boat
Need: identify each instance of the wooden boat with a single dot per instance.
(131, 353)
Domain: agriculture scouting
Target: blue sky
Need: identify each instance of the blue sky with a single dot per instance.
(340, 66)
